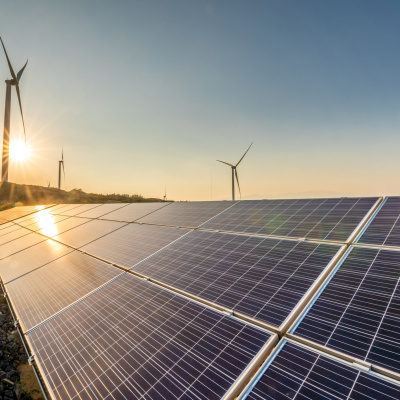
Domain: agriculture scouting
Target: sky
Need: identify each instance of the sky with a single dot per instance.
(147, 94)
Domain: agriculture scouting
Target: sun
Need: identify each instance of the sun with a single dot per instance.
(19, 151)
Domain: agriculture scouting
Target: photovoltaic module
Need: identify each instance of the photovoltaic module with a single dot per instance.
(270, 299)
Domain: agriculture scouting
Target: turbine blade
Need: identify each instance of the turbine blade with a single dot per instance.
(8, 61)
(244, 155)
(21, 71)
(223, 162)
(20, 107)
(237, 180)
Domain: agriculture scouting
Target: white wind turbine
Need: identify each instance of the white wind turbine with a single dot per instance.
(234, 173)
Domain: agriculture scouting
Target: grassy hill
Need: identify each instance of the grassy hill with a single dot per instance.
(13, 193)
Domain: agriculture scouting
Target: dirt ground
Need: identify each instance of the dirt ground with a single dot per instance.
(29, 383)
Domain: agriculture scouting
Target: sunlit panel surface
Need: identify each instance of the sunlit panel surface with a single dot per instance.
(99, 211)
(19, 244)
(88, 232)
(73, 211)
(63, 207)
(133, 243)
(11, 228)
(133, 211)
(46, 223)
(14, 234)
(6, 225)
(296, 372)
(263, 278)
(186, 214)
(358, 311)
(18, 212)
(47, 290)
(134, 340)
(329, 219)
(52, 230)
(31, 258)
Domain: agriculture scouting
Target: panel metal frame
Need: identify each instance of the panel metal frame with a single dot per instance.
(314, 288)
(348, 361)
(362, 231)
(368, 218)
(36, 368)
(290, 334)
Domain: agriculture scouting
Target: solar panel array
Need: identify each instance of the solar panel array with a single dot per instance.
(184, 300)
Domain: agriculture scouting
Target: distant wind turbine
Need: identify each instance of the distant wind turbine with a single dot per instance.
(6, 137)
(61, 163)
(165, 194)
(234, 173)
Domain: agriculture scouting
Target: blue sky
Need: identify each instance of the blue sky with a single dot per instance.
(147, 93)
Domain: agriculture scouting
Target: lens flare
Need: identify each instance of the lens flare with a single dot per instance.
(19, 151)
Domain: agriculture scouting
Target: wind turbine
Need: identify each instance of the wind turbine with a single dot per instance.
(234, 173)
(6, 137)
(165, 194)
(61, 163)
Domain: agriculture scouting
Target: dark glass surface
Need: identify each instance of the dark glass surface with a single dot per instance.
(329, 219)
(299, 373)
(261, 277)
(186, 214)
(135, 340)
(358, 311)
(384, 229)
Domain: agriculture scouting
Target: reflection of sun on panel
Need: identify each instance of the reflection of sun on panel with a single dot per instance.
(19, 151)
(47, 223)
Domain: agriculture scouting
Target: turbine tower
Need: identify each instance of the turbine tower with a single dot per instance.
(234, 173)
(165, 194)
(6, 136)
(61, 163)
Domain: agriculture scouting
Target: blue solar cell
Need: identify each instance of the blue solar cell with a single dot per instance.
(186, 214)
(135, 340)
(384, 228)
(297, 373)
(358, 311)
(263, 278)
(328, 219)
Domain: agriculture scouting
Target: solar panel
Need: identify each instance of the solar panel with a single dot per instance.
(52, 230)
(9, 229)
(49, 289)
(186, 214)
(358, 311)
(86, 233)
(384, 228)
(43, 220)
(18, 212)
(6, 225)
(263, 278)
(19, 244)
(133, 243)
(135, 340)
(133, 211)
(103, 209)
(63, 207)
(31, 258)
(77, 210)
(296, 372)
(328, 219)
(15, 234)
